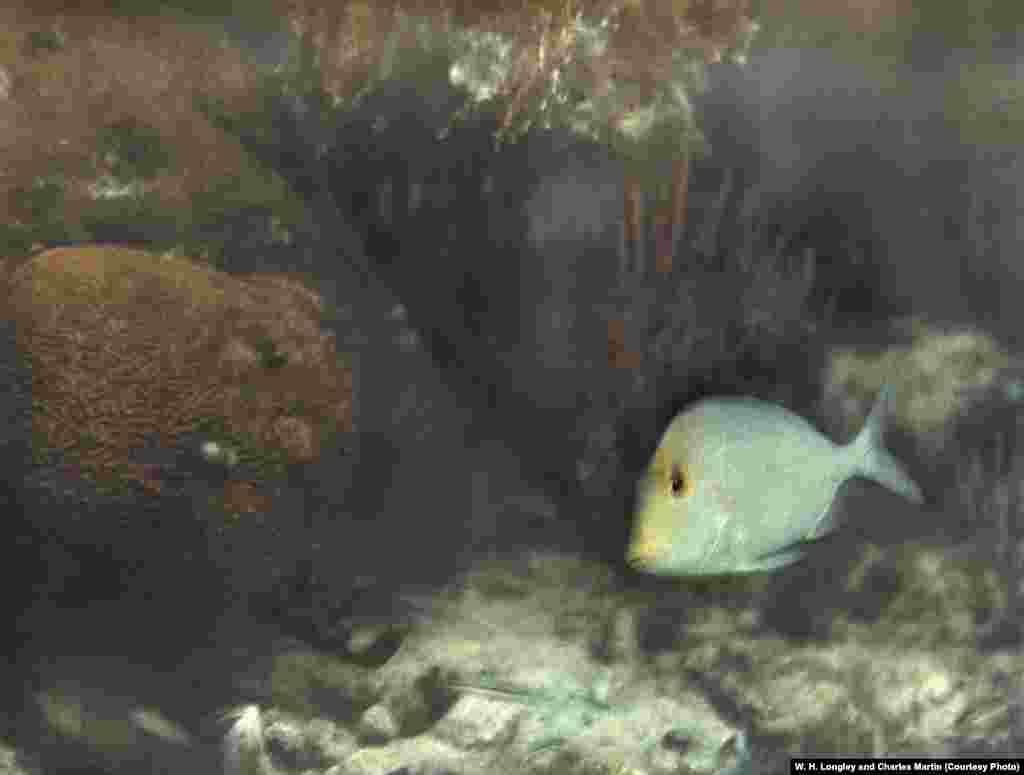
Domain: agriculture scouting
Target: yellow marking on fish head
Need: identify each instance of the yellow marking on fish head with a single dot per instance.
(669, 482)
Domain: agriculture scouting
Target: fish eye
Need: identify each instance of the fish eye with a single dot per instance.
(678, 482)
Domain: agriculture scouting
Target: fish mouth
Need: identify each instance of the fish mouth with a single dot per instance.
(637, 563)
(642, 557)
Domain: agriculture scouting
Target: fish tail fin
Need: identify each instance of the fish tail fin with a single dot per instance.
(875, 461)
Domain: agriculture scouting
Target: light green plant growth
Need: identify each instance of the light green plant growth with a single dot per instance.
(280, 232)
(986, 103)
(295, 408)
(270, 357)
(45, 41)
(254, 189)
(268, 462)
(115, 483)
(87, 441)
(41, 452)
(328, 429)
(15, 240)
(42, 201)
(218, 504)
(39, 213)
(213, 425)
(132, 150)
(119, 207)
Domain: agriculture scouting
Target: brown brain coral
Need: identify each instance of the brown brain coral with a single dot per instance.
(125, 344)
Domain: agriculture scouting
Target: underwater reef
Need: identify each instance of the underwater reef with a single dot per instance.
(333, 470)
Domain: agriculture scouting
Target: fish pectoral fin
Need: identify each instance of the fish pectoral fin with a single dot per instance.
(821, 532)
(792, 552)
(781, 557)
(829, 520)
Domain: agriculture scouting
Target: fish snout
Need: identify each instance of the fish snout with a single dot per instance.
(644, 552)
